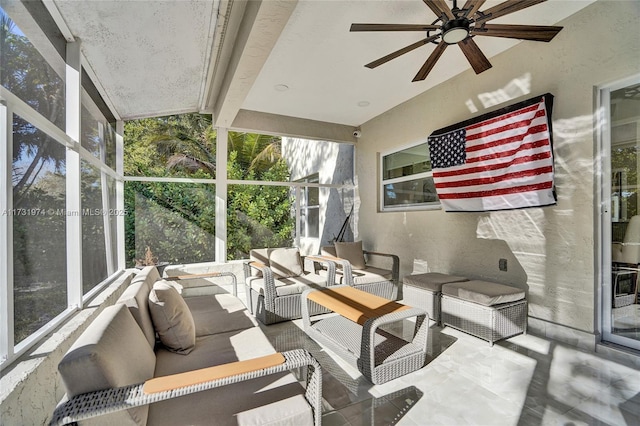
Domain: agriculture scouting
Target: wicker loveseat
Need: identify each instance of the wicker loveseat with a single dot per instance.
(379, 280)
(275, 278)
(227, 374)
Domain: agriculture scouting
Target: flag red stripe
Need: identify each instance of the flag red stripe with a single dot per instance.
(532, 130)
(510, 126)
(495, 179)
(502, 191)
(496, 166)
(505, 116)
(496, 155)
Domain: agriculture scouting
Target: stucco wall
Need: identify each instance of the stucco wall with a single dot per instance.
(550, 251)
(334, 164)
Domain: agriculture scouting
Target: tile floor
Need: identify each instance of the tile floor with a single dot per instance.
(525, 380)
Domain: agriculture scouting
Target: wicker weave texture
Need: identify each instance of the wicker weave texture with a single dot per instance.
(386, 289)
(491, 323)
(378, 355)
(423, 299)
(108, 401)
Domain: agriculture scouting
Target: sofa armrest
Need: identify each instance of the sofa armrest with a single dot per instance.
(395, 268)
(207, 275)
(330, 263)
(94, 404)
(269, 283)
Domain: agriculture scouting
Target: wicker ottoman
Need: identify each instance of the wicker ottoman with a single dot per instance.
(484, 309)
(423, 291)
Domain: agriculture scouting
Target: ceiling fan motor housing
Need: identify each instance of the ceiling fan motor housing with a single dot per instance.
(455, 30)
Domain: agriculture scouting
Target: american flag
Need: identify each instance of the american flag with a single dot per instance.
(499, 161)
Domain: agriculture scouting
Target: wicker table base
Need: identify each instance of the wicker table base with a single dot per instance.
(354, 332)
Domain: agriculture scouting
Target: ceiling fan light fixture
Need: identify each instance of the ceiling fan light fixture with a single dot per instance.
(455, 30)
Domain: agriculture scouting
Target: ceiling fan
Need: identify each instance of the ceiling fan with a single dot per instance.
(460, 26)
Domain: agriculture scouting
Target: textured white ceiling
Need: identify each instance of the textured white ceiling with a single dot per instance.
(322, 63)
(150, 56)
(153, 57)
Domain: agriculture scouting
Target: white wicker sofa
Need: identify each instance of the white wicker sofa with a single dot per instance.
(221, 370)
(275, 278)
(381, 280)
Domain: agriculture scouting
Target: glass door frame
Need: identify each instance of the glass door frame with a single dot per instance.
(603, 205)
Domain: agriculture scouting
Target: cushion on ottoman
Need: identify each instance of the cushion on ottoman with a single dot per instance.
(432, 281)
(483, 292)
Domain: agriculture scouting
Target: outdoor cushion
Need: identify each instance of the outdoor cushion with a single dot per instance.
(219, 313)
(259, 255)
(291, 285)
(367, 275)
(148, 274)
(214, 350)
(432, 281)
(242, 403)
(483, 292)
(351, 252)
(136, 298)
(112, 352)
(172, 318)
(286, 262)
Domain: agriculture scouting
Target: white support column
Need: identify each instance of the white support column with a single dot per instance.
(120, 194)
(296, 204)
(74, 208)
(221, 195)
(107, 208)
(6, 234)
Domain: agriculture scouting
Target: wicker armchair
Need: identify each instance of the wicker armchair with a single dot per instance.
(275, 278)
(364, 275)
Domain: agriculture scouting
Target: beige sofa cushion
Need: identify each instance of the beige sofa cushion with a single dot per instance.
(172, 318)
(367, 275)
(291, 285)
(432, 281)
(112, 352)
(219, 313)
(136, 298)
(483, 292)
(351, 252)
(259, 255)
(244, 403)
(286, 262)
(148, 274)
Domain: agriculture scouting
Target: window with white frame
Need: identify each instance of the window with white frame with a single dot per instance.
(48, 222)
(310, 208)
(407, 179)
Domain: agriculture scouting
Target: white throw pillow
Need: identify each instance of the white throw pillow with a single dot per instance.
(172, 318)
(351, 252)
(286, 262)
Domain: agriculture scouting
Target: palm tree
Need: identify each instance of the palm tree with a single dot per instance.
(255, 153)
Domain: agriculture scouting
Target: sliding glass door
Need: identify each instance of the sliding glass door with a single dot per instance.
(620, 142)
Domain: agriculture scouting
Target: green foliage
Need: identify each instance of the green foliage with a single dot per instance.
(177, 220)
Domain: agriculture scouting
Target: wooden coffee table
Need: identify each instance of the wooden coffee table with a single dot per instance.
(354, 332)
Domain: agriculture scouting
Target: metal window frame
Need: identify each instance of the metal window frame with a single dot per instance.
(10, 104)
(430, 205)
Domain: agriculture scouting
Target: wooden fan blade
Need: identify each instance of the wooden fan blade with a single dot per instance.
(439, 7)
(400, 52)
(393, 27)
(431, 61)
(524, 32)
(506, 8)
(471, 7)
(474, 55)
